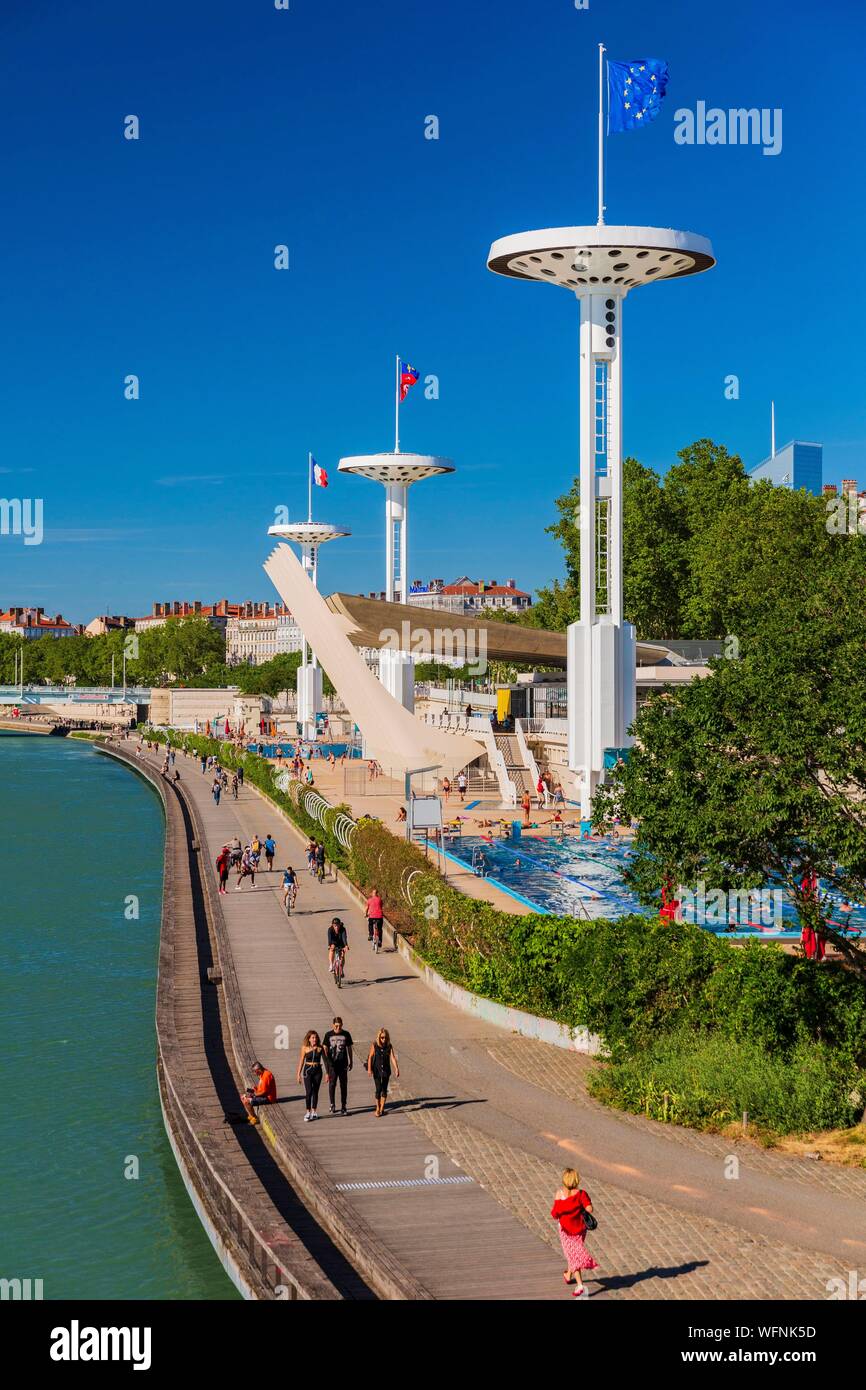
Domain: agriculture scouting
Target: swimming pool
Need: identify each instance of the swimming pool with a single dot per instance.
(318, 750)
(584, 879)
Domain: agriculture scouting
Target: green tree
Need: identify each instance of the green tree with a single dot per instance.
(757, 773)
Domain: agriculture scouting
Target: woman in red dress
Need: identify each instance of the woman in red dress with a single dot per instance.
(569, 1206)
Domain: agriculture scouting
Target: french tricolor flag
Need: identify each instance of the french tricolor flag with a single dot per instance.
(320, 477)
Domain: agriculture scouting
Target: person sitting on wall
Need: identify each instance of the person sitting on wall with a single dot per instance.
(264, 1093)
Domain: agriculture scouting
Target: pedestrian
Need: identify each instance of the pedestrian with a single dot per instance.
(246, 869)
(461, 785)
(320, 863)
(270, 851)
(338, 1063)
(203, 763)
(446, 789)
(265, 1092)
(217, 791)
(526, 803)
(310, 1072)
(241, 773)
(570, 1207)
(380, 1060)
(222, 865)
(375, 913)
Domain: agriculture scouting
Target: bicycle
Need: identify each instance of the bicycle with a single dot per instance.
(377, 938)
(338, 968)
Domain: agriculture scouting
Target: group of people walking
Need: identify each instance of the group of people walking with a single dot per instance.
(331, 1056)
(245, 860)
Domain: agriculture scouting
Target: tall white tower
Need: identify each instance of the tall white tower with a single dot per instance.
(600, 265)
(397, 472)
(309, 536)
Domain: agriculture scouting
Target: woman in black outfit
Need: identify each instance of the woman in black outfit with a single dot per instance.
(310, 1069)
(380, 1060)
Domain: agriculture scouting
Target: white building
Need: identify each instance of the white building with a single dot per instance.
(254, 639)
(468, 596)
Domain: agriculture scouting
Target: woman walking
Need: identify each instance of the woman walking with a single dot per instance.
(570, 1206)
(380, 1060)
(222, 865)
(310, 1072)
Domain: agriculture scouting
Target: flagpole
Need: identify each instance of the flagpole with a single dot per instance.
(309, 486)
(397, 407)
(601, 53)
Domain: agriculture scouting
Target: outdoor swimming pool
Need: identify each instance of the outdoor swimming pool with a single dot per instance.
(317, 750)
(584, 879)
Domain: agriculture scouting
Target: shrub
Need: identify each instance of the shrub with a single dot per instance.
(708, 1080)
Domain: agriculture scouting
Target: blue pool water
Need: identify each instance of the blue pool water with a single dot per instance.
(584, 879)
(269, 750)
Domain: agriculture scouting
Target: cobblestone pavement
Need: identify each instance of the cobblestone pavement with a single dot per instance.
(564, 1073)
(645, 1249)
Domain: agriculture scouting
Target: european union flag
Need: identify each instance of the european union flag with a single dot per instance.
(635, 92)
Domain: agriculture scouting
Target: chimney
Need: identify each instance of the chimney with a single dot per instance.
(830, 489)
(510, 584)
(197, 606)
(849, 485)
(185, 608)
(156, 609)
(176, 607)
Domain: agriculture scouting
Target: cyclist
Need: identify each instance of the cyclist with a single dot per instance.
(338, 940)
(290, 887)
(320, 862)
(374, 913)
(311, 855)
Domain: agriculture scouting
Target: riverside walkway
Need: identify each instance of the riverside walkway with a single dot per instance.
(502, 1115)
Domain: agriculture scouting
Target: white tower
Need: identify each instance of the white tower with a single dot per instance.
(600, 265)
(397, 472)
(309, 535)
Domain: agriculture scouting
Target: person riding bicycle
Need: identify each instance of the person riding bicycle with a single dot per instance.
(320, 862)
(338, 940)
(290, 886)
(374, 913)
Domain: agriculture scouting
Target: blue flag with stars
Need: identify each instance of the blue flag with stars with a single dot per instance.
(635, 92)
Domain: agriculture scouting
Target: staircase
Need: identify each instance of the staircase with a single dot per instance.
(518, 772)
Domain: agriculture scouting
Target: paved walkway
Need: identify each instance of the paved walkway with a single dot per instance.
(681, 1215)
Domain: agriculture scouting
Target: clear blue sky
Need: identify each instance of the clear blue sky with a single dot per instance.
(306, 127)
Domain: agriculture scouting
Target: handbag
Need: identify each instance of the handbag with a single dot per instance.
(589, 1219)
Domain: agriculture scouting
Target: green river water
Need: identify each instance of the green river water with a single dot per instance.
(81, 836)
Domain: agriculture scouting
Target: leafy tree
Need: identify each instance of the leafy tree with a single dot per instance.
(758, 772)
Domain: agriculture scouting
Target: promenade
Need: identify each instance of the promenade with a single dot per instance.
(501, 1115)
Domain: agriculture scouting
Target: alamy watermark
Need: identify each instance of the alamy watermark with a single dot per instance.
(451, 646)
(744, 907)
(22, 516)
(737, 126)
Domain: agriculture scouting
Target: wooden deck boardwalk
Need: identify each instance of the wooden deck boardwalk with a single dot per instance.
(453, 1236)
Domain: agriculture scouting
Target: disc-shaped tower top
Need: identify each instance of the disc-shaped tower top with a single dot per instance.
(308, 532)
(396, 468)
(598, 259)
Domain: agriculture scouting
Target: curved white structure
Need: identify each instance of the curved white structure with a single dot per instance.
(600, 265)
(397, 472)
(309, 535)
(391, 734)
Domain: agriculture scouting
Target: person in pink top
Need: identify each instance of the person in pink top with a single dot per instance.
(569, 1209)
(375, 914)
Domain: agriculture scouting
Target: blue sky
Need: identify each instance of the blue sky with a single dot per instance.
(306, 127)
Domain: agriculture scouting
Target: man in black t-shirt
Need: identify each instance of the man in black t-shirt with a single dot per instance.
(338, 1062)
